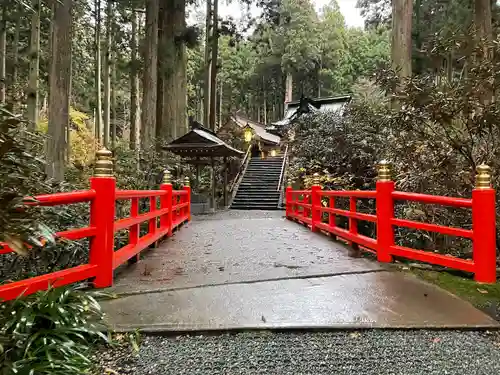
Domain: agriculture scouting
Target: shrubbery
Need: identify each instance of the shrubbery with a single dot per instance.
(50, 332)
(434, 131)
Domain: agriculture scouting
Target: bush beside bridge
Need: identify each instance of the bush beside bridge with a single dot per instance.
(435, 136)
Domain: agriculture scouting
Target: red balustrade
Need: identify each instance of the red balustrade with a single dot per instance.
(103, 260)
(306, 207)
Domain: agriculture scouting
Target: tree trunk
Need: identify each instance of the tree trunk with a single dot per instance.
(14, 85)
(482, 19)
(60, 85)
(220, 102)
(98, 118)
(213, 66)
(484, 34)
(107, 74)
(402, 12)
(419, 59)
(162, 71)
(264, 109)
(289, 88)
(3, 54)
(34, 69)
(114, 120)
(206, 86)
(134, 84)
(174, 122)
(148, 115)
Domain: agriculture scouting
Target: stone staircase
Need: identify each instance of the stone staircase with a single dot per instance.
(258, 187)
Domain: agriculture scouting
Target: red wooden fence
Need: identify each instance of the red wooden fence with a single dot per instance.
(103, 260)
(305, 206)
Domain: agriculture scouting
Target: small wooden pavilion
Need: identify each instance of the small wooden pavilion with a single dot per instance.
(201, 146)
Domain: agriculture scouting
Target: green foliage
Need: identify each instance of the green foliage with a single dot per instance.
(82, 141)
(50, 332)
(19, 223)
(435, 136)
(324, 56)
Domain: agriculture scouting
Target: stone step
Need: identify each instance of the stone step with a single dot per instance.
(256, 200)
(258, 186)
(264, 170)
(274, 166)
(255, 193)
(258, 181)
(260, 164)
(262, 174)
(259, 207)
(260, 178)
(258, 193)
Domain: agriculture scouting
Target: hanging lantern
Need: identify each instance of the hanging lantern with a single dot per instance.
(248, 133)
(273, 153)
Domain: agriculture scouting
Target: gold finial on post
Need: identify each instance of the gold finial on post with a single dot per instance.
(384, 171)
(104, 163)
(316, 180)
(186, 181)
(167, 177)
(483, 177)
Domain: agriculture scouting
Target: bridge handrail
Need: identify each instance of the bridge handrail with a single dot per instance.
(241, 170)
(307, 207)
(282, 173)
(175, 207)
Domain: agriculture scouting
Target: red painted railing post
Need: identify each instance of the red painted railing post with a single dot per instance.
(102, 217)
(484, 227)
(385, 212)
(153, 223)
(288, 200)
(331, 217)
(166, 203)
(315, 203)
(187, 188)
(134, 230)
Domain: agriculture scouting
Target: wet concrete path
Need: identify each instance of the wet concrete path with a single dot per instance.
(256, 269)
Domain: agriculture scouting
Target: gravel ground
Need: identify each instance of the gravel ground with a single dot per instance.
(366, 352)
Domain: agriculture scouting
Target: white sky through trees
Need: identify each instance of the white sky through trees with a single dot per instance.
(238, 12)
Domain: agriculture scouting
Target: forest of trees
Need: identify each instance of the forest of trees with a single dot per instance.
(432, 112)
(129, 73)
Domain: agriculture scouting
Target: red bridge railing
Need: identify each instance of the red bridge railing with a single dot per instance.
(103, 258)
(307, 207)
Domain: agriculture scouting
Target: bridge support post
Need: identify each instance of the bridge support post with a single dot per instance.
(385, 212)
(166, 203)
(187, 188)
(288, 202)
(315, 203)
(102, 217)
(484, 227)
